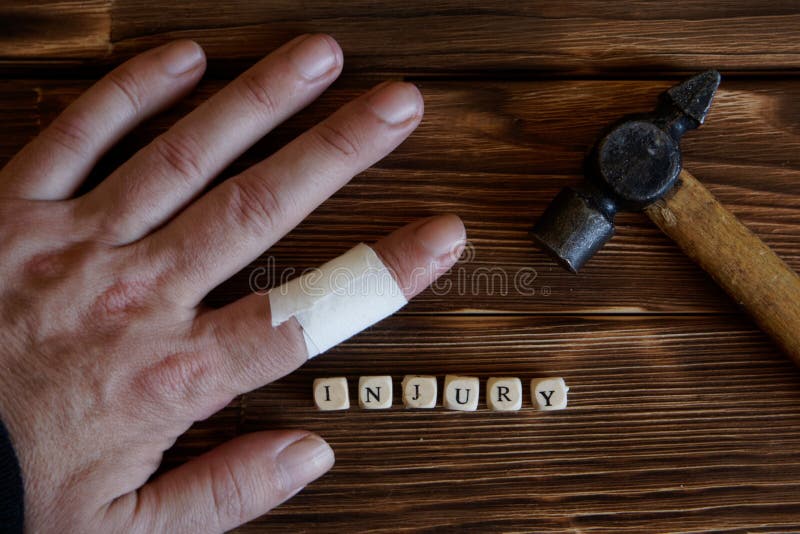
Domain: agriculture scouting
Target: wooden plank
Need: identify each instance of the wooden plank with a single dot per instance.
(496, 153)
(674, 423)
(19, 115)
(55, 30)
(583, 37)
(541, 127)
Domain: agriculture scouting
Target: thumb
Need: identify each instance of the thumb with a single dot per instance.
(232, 484)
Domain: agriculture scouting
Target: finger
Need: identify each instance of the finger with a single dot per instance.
(248, 352)
(54, 164)
(234, 223)
(159, 180)
(232, 484)
(422, 251)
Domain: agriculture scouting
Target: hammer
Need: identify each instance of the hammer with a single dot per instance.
(636, 165)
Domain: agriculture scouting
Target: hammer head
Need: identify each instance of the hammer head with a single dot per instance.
(634, 163)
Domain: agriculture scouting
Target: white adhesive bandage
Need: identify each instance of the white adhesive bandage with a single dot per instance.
(339, 299)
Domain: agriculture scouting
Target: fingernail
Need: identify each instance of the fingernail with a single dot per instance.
(442, 235)
(181, 56)
(395, 103)
(305, 460)
(314, 56)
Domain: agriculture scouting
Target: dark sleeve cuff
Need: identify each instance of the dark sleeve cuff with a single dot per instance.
(12, 509)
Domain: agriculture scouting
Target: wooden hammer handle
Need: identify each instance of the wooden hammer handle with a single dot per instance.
(743, 265)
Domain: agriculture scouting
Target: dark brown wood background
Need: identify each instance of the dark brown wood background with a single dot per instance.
(682, 416)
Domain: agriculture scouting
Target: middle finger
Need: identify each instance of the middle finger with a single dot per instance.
(235, 222)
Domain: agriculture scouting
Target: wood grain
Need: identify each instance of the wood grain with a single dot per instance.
(19, 115)
(496, 153)
(674, 424)
(451, 37)
(683, 417)
(55, 30)
(587, 37)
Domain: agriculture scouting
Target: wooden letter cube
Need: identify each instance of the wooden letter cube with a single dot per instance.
(461, 393)
(419, 391)
(375, 392)
(549, 393)
(331, 393)
(504, 394)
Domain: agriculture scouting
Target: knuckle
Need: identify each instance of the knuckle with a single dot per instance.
(128, 84)
(253, 204)
(287, 351)
(45, 266)
(252, 359)
(23, 222)
(264, 360)
(397, 262)
(175, 380)
(257, 90)
(338, 139)
(228, 493)
(71, 133)
(121, 301)
(181, 153)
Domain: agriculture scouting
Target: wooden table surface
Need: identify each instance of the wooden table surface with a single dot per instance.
(682, 415)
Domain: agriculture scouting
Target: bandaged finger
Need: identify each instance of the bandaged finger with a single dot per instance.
(338, 300)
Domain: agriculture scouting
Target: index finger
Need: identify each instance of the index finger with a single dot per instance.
(249, 353)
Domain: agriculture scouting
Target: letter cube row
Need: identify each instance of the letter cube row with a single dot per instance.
(503, 394)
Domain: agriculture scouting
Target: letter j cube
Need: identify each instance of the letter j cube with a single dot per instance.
(419, 391)
(375, 392)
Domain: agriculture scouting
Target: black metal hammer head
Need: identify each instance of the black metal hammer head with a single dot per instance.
(634, 163)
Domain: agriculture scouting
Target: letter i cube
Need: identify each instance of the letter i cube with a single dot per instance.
(331, 394)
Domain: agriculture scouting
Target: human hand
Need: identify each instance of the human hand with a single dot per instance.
(106, 350)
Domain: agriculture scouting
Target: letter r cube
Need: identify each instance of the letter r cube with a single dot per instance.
(504, 394)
